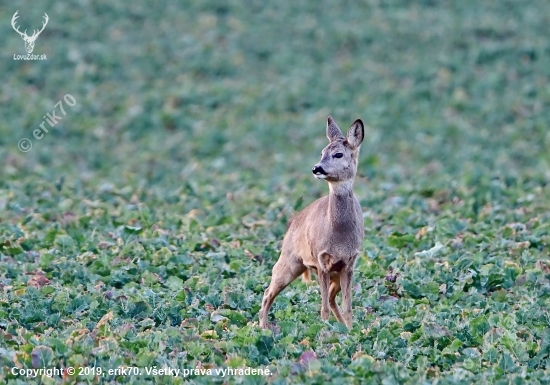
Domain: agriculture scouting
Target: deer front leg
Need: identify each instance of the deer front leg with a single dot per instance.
(345, 283)
(323, 275)
(324, 284)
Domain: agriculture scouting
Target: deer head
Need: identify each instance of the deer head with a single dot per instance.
(29, 40)
(339, 159)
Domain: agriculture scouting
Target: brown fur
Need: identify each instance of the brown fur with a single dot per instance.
(327, 235)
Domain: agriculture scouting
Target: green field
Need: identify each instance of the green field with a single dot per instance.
(142, 228)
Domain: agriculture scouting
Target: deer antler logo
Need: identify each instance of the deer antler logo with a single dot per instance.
(29, 40)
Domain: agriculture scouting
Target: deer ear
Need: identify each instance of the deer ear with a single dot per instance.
(333, 131)
(356, 133)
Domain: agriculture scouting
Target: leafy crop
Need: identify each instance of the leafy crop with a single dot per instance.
(141, 230)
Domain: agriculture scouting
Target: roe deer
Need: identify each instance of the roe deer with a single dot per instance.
(327, 235)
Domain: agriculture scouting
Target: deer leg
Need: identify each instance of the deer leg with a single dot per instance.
(345, 282)
(324, 283)
(333, 292)
(326, 265)
(306, 276)
(285, 271)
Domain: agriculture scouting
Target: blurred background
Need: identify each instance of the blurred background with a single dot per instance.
(197, 89)
(190, 146)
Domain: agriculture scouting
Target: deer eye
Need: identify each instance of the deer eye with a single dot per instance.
(338, 155)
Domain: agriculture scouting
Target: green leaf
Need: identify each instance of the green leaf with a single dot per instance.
(400, 240)
(41, 356)
(47, 290)
(181, 296)
(174, 283)
(410, 288)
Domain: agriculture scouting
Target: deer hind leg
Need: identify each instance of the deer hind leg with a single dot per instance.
(286, 270)
(333, 292)
(345, 282)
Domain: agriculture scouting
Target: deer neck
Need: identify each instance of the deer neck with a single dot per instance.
(341, 204)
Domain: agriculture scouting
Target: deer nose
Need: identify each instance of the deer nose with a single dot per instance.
(318, 170)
